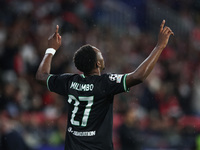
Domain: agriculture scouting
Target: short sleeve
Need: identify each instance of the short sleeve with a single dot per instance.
(58, 83)
(115, 83)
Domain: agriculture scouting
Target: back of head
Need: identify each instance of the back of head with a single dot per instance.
(85, 59)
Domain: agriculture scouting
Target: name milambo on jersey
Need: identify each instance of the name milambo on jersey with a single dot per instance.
(81, 87)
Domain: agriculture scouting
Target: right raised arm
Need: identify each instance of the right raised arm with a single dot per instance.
(144, 69)
(54, 43)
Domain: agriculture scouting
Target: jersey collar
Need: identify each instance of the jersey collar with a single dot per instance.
(83, 75)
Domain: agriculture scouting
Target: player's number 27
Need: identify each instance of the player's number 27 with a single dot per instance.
(87, 110)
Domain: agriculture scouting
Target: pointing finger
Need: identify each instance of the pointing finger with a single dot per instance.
(57, 28)
(162, 25)
(58, 37)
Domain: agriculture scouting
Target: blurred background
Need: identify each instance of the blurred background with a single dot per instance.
(161, 113)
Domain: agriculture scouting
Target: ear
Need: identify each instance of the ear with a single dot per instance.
(98, 64)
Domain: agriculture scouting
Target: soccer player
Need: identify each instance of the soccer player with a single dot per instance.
(90, 95)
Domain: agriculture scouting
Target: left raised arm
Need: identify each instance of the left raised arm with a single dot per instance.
(144, 69)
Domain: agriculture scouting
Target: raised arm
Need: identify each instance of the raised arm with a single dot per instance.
(144, 69)
(54, 43)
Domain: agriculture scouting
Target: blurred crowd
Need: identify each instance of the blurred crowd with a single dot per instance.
(161, 113)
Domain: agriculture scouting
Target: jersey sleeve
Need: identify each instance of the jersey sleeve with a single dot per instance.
(58, 83)
(115, 83)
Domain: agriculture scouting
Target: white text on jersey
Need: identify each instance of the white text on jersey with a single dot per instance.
(76, 133)
(81, 87)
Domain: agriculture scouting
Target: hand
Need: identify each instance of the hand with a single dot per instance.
(54, 40)
(164, 35)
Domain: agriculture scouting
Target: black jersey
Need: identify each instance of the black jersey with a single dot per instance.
(90, 111)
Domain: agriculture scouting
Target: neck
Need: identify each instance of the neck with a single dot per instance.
(93, 72)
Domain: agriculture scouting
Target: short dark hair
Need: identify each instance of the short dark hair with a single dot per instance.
(85, 58)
